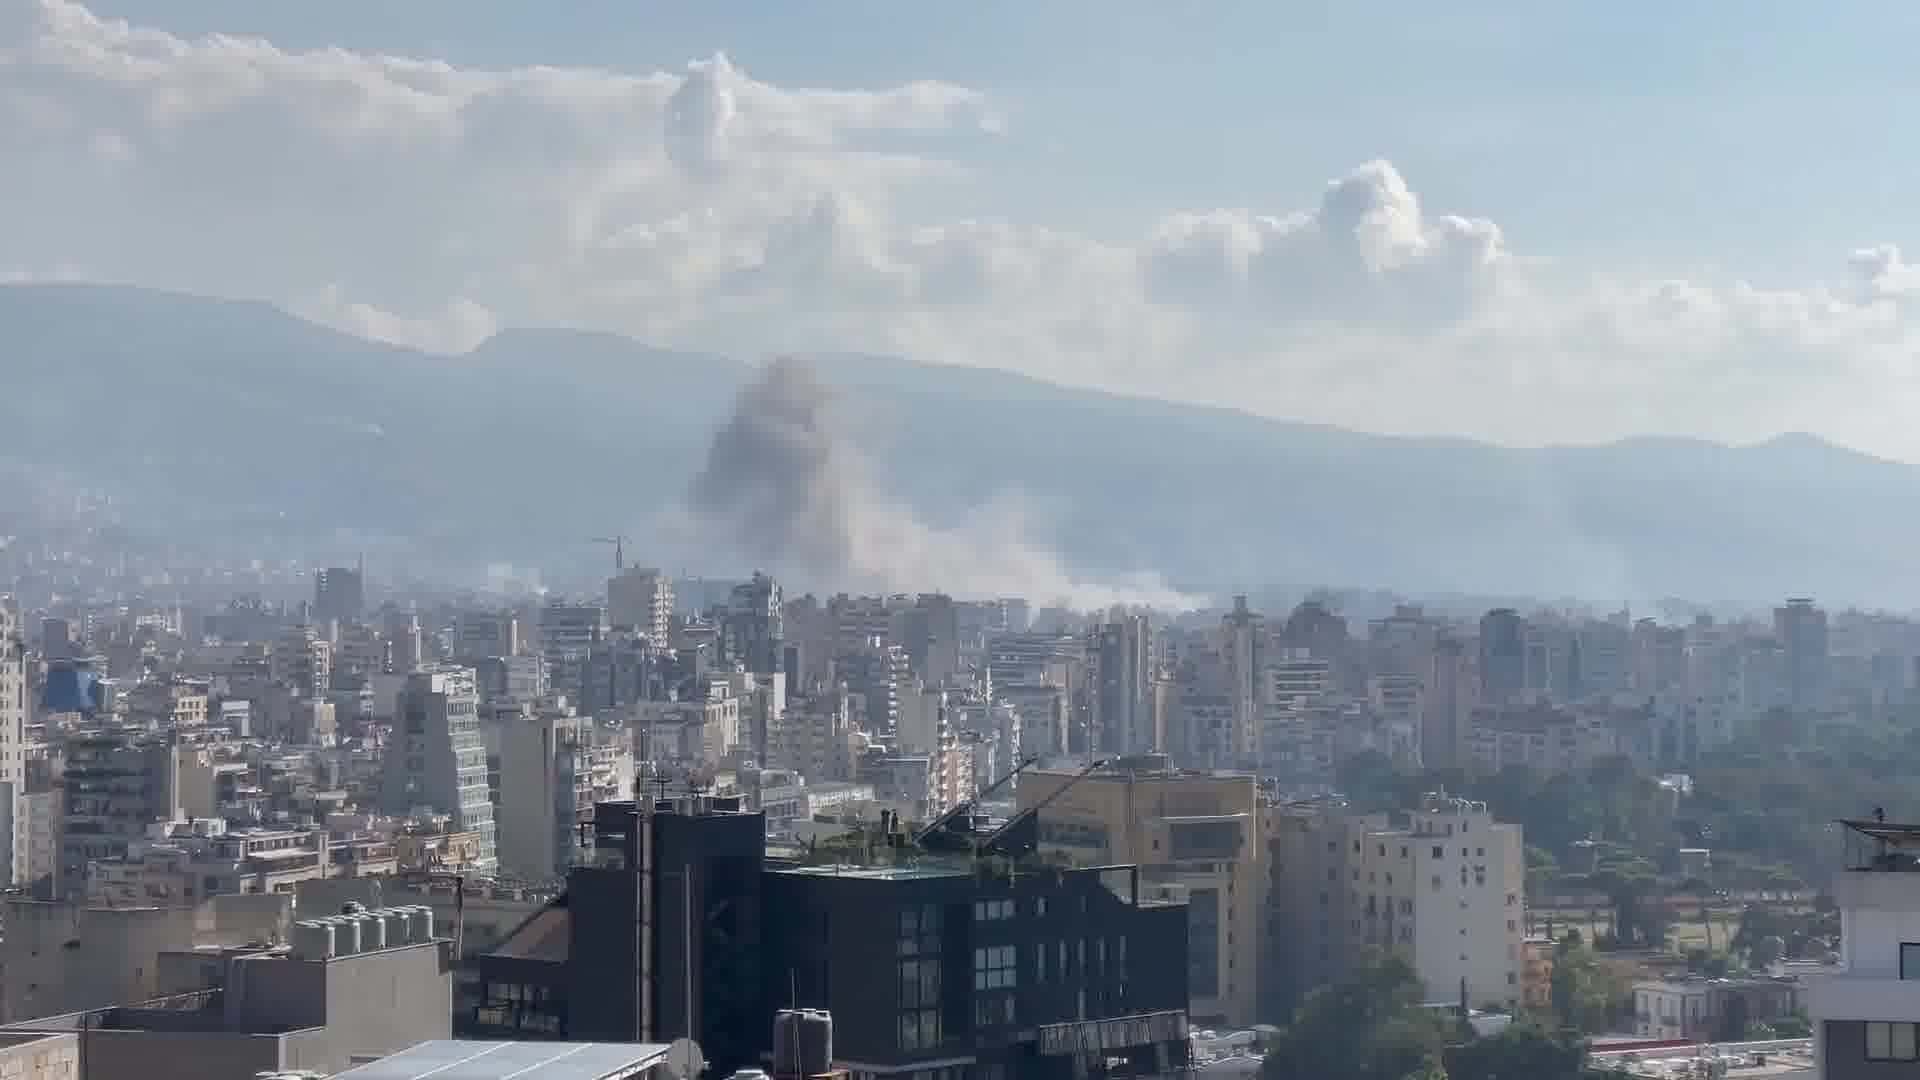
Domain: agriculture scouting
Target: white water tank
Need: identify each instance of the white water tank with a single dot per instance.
(312, 940)
(399, 931)
(373, 931)
(422, 918)
(346, 935)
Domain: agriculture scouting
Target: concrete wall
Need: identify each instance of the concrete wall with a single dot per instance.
(176, 1055)
(39, 1057)
(370, 1003)
(384, 1002)
(58, 957)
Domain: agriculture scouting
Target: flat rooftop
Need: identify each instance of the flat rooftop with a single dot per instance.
(913, 872)
(461, 1059)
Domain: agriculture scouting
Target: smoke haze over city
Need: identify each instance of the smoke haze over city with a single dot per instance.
(787, 487)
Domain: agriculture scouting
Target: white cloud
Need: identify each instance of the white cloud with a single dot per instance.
(457, 327)
(706, 208)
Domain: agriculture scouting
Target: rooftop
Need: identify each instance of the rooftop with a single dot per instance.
(459, 1059)
(898, 872)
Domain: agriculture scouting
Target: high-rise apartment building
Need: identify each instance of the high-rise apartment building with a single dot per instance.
(1446, 702)
(1241, 645)
(1802, 632)
(1503, 657)
(302, 661)
(114, 785)
(479, 634)
(641, 599)
(437, 759)
(1124, 719)
(568, 634)
(1194, 833)
(14, 829)
(339, 594)
(554, 766)
(752, 631)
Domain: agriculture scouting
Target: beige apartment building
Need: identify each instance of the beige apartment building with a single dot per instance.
(1443, 885)
(1196, 833)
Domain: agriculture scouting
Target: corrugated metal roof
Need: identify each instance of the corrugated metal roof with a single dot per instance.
(460, 1059)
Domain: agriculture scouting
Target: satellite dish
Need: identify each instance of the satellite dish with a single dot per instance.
(684, 1060)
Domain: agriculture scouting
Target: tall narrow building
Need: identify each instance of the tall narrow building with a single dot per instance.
(437, 757)
(1802, 630)
(1241, 631)
(753, 632)
(1123, 714)
(13, 738)
(1503, 657)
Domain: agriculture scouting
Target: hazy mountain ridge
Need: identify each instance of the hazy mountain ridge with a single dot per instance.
(208, 413)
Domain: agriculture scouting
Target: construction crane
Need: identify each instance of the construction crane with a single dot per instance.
(619, 550)
(1020, 834)
(966, 806)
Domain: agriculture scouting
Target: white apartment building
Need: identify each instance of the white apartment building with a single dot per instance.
(1866, 1017)
(1447, 889)
(554, 766)
(641, 599)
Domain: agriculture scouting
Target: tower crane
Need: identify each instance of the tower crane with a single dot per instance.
(619, 550)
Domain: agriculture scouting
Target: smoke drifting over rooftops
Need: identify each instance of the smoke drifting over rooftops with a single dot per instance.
(795, 495)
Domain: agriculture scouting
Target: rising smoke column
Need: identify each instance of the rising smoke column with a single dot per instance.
(785, 487)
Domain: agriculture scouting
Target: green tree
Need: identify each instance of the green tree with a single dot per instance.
(1524, 1050)
(1763, 953)
(1368, 1026)
(1585, 993)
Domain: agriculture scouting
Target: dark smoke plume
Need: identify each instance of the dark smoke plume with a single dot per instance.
(784, 487)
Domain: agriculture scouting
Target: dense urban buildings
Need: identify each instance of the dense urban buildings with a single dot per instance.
(992, 842)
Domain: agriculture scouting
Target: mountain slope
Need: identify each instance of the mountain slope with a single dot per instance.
(237, 419)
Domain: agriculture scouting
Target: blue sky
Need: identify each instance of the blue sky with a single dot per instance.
(1526, 223)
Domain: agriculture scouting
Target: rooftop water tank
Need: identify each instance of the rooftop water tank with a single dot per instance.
(802, 1042)
(346, 935)
(422, 918)
(312, 940)
(373, 931)
(399, 930)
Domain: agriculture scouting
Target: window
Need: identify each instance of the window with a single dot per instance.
(993, 967)
(992, 910)
(920, 1030)
(992, 1010)
(1439, 852)
(1909, 960)
(1890, 1042)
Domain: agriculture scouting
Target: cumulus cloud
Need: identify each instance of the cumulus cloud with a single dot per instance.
(419, 202)
(1366, 254)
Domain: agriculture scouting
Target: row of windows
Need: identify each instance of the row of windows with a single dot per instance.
(991, 910)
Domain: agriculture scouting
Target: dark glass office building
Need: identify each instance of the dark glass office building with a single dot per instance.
(935, 966)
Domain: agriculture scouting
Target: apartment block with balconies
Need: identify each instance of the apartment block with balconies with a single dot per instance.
(1866, 1017)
